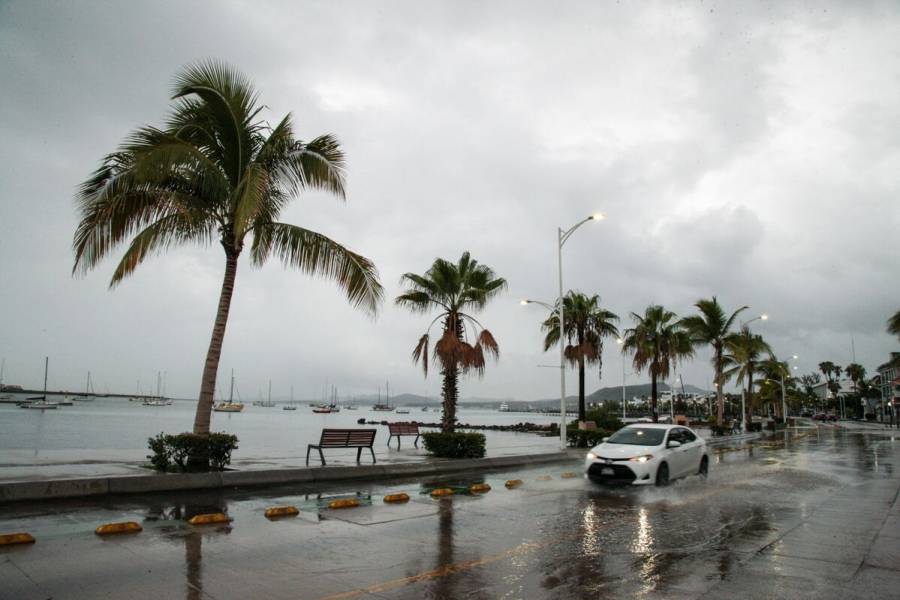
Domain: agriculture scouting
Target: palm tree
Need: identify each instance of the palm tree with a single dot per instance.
(453, 288)
(658, 342)
(217, 173)
(893, 325)
(774, 372)
(586, 326)
(711, 327)
(744, 354)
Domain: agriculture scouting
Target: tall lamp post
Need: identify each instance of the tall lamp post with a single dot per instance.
(562, 236)
(621, 341)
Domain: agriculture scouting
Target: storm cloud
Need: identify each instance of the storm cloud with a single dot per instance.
(745, 150)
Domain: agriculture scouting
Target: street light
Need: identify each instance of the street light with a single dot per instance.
(562, 236)
(620, 342)
(762, 317)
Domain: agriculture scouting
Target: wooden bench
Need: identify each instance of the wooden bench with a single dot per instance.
(398, 429)
(344, 438)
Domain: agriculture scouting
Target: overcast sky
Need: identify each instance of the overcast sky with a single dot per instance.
(747, 150)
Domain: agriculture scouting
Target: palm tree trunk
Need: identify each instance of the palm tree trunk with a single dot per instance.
(582, 413)
(653, 395)
(749, 415)
(211, 368)
(451, 393)
(720, 397)
(451, 380)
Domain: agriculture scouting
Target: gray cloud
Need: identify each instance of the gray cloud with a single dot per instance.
(744, 150)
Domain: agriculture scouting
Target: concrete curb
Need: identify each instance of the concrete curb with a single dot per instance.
(727, 440)
(18, 491)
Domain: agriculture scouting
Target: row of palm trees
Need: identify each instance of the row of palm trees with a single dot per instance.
(216, 173)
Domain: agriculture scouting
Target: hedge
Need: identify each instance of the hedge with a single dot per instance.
(454, 445)
(190, 452)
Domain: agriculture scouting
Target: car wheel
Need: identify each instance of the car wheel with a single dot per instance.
(704, 467)
(662, 475)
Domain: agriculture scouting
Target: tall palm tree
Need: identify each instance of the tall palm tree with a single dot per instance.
(452, 289)
(711, 327)
(744, 354)
(658, 342)
(587, 323)
(217, 173)
(893, 325)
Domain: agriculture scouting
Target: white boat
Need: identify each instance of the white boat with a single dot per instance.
(504, 407)
(402, 410)
(231, 406)
(288, 407)
(40, 402)
(89, 393)
(322, 409)
(158, 400)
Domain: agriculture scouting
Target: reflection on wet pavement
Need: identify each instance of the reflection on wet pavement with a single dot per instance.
(795, 515)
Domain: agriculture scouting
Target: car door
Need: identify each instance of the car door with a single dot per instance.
(676, 456)
(694, 450)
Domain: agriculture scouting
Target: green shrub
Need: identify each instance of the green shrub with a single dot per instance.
(454, 445)
(191, 452)
(585, 438)
(162, 455)
(221, 445)
(605, 419)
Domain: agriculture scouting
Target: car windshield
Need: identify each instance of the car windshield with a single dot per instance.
(638, 436)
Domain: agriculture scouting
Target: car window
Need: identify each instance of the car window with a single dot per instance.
(687, 436)
(639, 436)
(674, 436)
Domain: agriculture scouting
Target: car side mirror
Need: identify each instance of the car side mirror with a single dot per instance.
(606, 439)
(674, 444)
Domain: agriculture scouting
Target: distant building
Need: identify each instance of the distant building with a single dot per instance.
(822, 392)
(889, 380)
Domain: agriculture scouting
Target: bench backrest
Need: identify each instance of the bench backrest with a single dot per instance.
(403, 428)
(343, 438)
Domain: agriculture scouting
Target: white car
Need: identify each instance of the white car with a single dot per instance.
(647, 454)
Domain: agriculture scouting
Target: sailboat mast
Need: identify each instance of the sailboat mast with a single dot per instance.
(46, 365)
(388, 385)
(231, 393)
(270, 392)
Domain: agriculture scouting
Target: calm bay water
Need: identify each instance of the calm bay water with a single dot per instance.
(115, 430)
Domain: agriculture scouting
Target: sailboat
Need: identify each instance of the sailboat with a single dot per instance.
(379, 405)
(89, 394)
(291, 405)
(231, 405)
(159, 400)
(40, 402)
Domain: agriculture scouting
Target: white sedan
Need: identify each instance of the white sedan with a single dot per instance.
(646, 454)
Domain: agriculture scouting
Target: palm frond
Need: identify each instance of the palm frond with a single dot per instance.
(421, 352)
(316, 254)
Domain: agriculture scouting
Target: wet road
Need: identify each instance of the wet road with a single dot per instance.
(815, 516)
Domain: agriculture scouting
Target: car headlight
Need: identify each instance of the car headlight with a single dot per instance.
(641, 459)
(591, 456)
